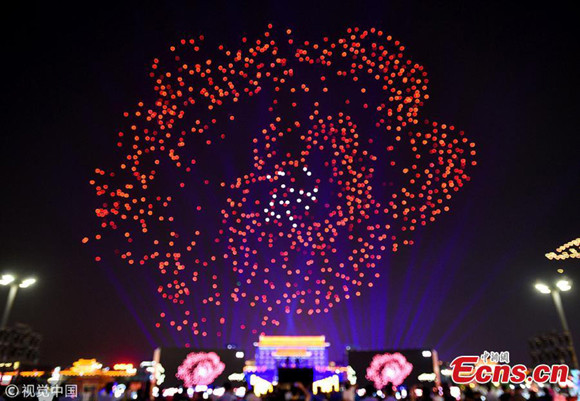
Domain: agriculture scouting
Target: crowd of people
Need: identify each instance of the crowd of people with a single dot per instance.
(299, 392)
(347, 392)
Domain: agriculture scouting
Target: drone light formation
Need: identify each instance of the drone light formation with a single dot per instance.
(275, 175)
(569, 250)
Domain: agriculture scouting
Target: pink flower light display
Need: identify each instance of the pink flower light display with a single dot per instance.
(200, 368)
(388, 368)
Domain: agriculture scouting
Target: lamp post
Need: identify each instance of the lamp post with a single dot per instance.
(15, 284)
(561, 285)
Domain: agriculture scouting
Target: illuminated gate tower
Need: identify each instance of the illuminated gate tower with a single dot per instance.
(273, 352)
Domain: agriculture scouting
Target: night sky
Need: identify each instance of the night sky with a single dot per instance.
(506, 74)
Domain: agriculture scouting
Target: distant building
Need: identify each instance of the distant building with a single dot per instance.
(273, 352)
(552, 348)
(19, 344)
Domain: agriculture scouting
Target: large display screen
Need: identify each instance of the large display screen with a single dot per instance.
(395, 367)
(190, 367)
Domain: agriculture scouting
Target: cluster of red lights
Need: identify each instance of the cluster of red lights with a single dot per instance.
(343, 171)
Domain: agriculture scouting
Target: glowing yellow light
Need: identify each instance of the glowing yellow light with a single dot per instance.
(125, 367)
(568, 250)
(291, 352)
(326, 385)
(292, 341)
(261, 386)
(32, 373)
(83, 367)
(90, 367)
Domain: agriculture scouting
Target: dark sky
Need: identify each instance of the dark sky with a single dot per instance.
(505, 72)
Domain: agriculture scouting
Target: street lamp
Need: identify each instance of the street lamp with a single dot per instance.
(560, 285)
(15, 284)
